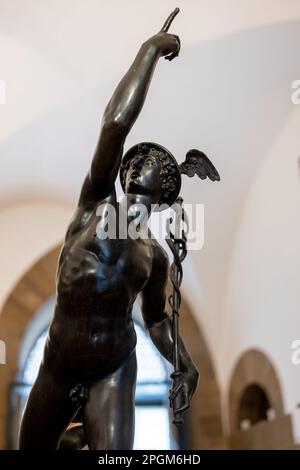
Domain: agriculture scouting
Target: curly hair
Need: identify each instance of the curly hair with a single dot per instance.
(168, 173)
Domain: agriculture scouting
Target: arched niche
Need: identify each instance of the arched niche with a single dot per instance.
(254, 383)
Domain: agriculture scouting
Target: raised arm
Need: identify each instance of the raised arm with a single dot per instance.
(123, 110)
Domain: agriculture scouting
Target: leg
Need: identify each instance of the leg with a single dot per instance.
(109, 412)
(48, 410)
(73, 439)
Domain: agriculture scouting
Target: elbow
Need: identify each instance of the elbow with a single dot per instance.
(196, 374)
(115, 122)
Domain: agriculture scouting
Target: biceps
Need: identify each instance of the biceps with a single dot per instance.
(105, 164)
(153, 304)
(107, 158)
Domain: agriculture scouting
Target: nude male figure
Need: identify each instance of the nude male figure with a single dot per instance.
(92, 338)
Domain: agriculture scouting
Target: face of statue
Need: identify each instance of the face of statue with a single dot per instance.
(143, 176)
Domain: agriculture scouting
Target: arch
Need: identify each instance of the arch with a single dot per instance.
(37, 286)
(27, 297)
(253, 368)
(254, 405)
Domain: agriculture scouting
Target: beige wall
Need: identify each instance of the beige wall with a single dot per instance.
(28, 230)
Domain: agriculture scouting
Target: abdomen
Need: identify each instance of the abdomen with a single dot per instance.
(92, 345)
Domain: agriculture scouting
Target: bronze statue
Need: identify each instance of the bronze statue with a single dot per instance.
(89, 360)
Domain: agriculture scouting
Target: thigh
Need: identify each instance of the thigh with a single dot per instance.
(48, 410)
(73, 439)
(109, 412)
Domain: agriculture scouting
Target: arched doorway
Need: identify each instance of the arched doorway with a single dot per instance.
(254, 386)
(254, 406)
(36, 287)
(256, 412)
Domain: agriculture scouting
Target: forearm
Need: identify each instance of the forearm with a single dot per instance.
(161, 335)
(129, 96)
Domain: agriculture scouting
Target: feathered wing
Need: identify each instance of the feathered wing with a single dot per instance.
(197, 162)
(187, 169)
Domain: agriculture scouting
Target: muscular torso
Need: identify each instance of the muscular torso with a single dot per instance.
(98, 281)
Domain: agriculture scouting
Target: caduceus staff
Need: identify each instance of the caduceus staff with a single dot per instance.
(196, 162)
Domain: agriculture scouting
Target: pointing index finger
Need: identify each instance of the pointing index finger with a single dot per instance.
(169, 20)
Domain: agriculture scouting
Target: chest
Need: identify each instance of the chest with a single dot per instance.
(117, 241)
(106, 266)
(107, 262)
(129, 260)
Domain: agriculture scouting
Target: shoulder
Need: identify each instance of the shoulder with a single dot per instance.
(84, 212)
(92, 192)
(80, 218)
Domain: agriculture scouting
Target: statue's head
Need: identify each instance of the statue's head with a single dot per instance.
(150, 169)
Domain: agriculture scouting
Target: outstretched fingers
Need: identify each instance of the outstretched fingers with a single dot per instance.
(169, 20)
